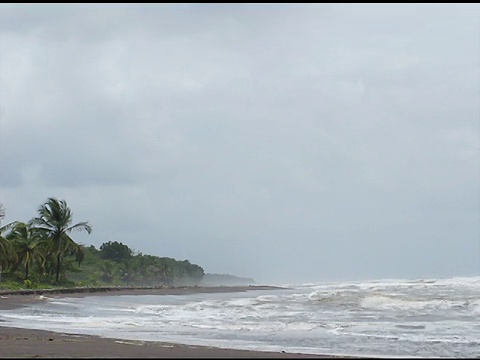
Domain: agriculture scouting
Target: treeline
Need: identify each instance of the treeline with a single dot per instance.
(41, 252)
(116, 264)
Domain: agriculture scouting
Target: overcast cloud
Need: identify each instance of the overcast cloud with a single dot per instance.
(280, 142)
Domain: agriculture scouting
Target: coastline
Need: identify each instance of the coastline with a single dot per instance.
(12, 298)
(23, 343)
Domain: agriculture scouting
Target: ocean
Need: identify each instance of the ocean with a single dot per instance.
(387, 318)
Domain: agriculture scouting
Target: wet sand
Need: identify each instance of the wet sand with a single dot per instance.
(26, 343)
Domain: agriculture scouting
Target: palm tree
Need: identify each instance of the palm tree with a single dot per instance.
(109, 271)
(30, 246)
(6, 251)
(56, 219)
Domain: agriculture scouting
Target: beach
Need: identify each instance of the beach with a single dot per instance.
(27, 343)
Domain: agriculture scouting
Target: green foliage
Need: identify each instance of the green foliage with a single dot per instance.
(115, 251)
(40, 253)
(12, 285)
(137, 270)
(29, 245)
(55, 221)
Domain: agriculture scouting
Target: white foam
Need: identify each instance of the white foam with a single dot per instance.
(375, 317)
(152, 309)
(380, 301)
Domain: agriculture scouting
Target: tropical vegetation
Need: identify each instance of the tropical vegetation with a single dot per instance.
(42, 253)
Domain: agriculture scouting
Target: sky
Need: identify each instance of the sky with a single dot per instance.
(287, 143)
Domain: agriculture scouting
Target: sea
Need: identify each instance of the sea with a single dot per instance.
(424, 318)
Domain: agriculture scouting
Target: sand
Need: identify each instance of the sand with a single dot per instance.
(26, 343)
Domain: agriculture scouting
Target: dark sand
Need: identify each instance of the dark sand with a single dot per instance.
(26, 343)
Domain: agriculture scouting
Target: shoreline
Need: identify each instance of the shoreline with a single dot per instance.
(171, 290)
(23, 343)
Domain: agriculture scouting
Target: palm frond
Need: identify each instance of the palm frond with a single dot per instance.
(81, 226)
(7, 227)
(2, 211)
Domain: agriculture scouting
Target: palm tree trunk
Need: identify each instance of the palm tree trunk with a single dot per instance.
(26, 270)
(58, 267)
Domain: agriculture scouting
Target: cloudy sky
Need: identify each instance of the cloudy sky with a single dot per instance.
(280, 142)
